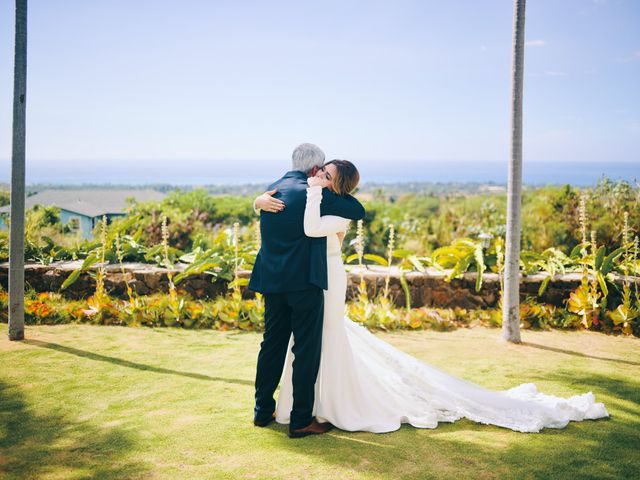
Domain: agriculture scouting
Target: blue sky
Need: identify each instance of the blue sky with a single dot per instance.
(150, 84)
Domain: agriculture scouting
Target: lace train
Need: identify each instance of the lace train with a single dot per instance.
(365, 384)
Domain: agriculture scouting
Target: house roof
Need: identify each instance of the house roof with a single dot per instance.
(92, 203)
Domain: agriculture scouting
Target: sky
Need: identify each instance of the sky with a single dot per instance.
(164, 86)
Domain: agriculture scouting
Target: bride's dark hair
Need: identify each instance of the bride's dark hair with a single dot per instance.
(347, 177)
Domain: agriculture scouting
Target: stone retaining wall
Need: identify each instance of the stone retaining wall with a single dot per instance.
(427, 289)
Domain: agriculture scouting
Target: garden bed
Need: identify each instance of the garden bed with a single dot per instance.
(429, 288)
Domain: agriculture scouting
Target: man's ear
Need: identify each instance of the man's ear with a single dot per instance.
(313, 171)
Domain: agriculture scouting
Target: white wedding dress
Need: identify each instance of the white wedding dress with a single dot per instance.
(365, 384)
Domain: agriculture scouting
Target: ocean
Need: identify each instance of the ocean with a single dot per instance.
(234, 172)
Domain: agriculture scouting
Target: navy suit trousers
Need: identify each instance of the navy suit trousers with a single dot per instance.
(299, 313)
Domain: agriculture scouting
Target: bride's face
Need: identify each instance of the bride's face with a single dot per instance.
(327, 173)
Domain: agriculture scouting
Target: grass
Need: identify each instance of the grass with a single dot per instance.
(86, 402)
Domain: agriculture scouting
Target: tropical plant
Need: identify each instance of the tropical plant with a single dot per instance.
(584, 301)
(627, 312)
(406, 261)
(459, 257)
(552, 261)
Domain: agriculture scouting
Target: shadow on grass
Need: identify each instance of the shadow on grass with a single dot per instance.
(579, 354)
(624, 392)
(33, 445)
(138, 366)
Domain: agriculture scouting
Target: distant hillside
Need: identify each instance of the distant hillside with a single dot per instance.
(368, 188)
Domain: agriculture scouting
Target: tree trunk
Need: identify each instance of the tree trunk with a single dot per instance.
(511, 300)
(16, 235)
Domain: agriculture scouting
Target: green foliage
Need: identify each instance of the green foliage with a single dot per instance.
(402, 233)
(5, 196)
(222, 313)
(459, 257)
(190, 215)
(549, 217)
(552, 261)
(233, 312)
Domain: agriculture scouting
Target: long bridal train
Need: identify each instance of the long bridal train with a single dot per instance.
(365, 384)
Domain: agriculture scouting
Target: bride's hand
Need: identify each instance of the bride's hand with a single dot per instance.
(267, 203)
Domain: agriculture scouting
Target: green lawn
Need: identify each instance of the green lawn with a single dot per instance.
(78, 401)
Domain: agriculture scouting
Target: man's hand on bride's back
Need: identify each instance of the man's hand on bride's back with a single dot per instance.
(267, 203)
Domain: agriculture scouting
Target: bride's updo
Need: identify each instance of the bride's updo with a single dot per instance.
(347, 177)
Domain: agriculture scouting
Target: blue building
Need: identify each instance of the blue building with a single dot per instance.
(83, 209)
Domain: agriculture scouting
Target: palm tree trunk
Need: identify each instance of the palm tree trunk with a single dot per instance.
(511, 301)
(16, 236)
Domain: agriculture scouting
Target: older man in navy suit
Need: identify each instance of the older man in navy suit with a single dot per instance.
(291, 272)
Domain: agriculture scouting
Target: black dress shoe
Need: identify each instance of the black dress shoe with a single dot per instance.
(314, 428)
(264, 423)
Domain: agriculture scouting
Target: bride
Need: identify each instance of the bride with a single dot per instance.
(365, 384)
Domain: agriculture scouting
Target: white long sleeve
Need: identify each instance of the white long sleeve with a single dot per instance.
(314, 224)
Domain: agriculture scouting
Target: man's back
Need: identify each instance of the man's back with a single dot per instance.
(283, 260)
(288, 260)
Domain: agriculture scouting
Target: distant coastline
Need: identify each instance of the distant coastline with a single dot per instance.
(237, 173)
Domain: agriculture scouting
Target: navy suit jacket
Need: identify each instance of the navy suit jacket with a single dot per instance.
(288, 260)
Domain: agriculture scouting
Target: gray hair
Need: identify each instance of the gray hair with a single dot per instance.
(306, 156)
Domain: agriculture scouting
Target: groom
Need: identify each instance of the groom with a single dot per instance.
(291, 272)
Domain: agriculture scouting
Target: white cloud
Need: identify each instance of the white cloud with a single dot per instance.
(535, 43)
